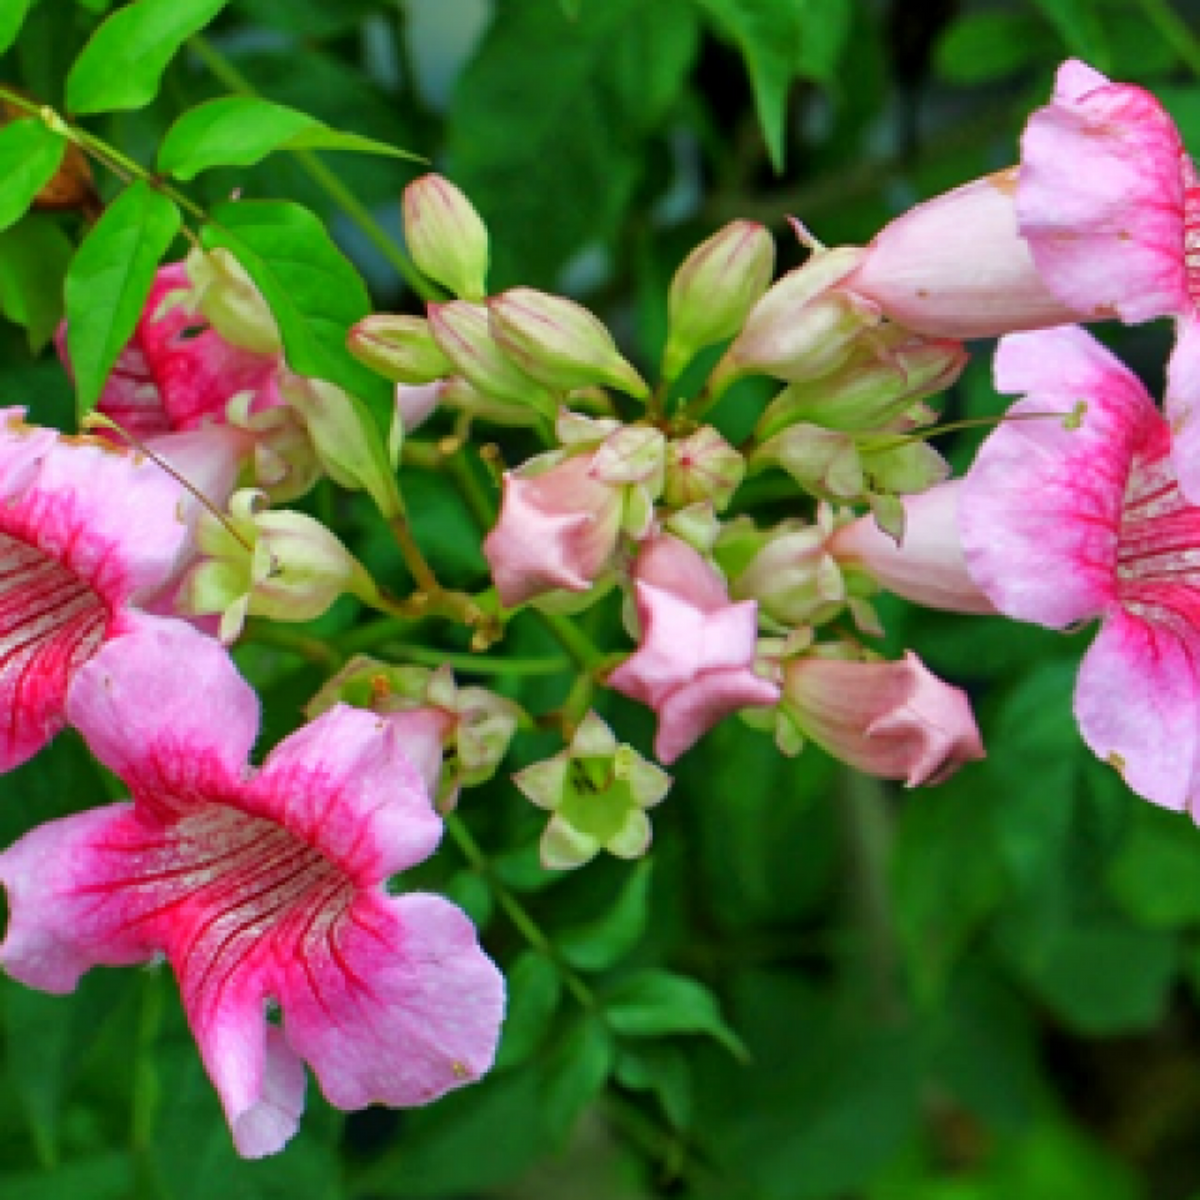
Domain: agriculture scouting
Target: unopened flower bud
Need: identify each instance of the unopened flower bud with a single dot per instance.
(804, 327)
(884, 376)
(283, 565)
(230, 302)
(560, 343)
(446, 237)
(400, 348)
(789, 570)
(714, 289)
(465, 336)
(701, 467)
(598, 791)
(345, 439)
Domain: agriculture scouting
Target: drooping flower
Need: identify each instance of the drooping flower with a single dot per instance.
(1061, 525)
(695, 659)
(260, 887)
(86, 531)
(895, 720)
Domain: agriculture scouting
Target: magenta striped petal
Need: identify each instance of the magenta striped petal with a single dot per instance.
(260, 889)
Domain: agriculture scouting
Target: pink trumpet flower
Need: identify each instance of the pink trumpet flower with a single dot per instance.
(695, 663)
(1061, 525)
(261, 887)
(86, 531)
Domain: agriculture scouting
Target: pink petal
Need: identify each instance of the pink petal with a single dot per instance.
(1101, 198)
(1041, 507)
(137, 719)
(346, 783)
(1182, 404)
(1136, 701)
(691, 711)
(396, 1004)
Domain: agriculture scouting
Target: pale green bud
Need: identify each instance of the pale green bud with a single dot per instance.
(400, 348)
(446, 237)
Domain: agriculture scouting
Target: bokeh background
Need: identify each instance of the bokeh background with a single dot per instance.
(984, 991)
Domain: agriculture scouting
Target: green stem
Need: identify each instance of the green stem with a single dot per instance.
(1174, 31)
(224, 71)
(314, 650)
(516, 912)
(473, 664)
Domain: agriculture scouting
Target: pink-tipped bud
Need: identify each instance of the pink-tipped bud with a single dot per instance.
(884, 377)
(446, 237)
(804, 326)
(702, 467)
(400, 348)
(464, 334)
(895, 720)
(560, 343)
(231, 303)
(714, 290)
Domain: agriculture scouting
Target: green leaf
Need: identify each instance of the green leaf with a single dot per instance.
(551, 157)
(238, 131)
(661, 1068)
(34, 255)
(29, 155)
(654, 1003)
(104, 1176)
(781, 43)
(534, 989)
(599, 944)
(109, 279)
(313, 292)
(576, 1073)
(123, 61)
(12, 17)
(986, 46)
(1155, 876)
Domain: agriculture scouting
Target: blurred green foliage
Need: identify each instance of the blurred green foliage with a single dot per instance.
(823, 988)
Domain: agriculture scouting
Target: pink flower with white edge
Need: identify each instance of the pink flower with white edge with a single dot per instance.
(259, 887)
(894, 720)
(1061, 525)
(86, 531)
(695, 661)
(926, 565)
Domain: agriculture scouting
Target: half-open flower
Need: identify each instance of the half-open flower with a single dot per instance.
(261, 888)
(86, 530)
(891, 719)
(695, 661)
(1061, 525)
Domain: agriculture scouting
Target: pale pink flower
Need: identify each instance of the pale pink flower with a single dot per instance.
(895, 720)
(1062, 525)
(926, 564)
(695, 661)
(86, 531)
(261, 887)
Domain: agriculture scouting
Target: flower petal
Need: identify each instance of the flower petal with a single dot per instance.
(1040, 509)
(690, 711)
(1101, 198)
(1182, 404)
(1136, 700)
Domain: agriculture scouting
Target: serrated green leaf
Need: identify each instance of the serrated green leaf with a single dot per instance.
(12, 17)
(29, 155)
(534, 989)
(599, 944)
(109, 279)
(661, 1068)
(34, 255)
(314, 294)
(782, 43)
(239, 131)
(123, 62)
(656, 1003)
